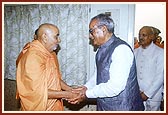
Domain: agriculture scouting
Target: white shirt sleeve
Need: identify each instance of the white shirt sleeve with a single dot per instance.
(122, 60)
(92, 81)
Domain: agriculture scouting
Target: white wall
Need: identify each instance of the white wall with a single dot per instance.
(151, 14)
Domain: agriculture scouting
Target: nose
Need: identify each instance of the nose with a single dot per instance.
(91, 36)
(59, 40)
(140, 37)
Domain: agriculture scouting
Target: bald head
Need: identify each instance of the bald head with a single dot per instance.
(48, 35)
(45, 28)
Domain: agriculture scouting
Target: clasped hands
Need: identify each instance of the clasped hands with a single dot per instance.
(77, 95)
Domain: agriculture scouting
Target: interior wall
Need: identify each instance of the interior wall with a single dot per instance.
(151, 14)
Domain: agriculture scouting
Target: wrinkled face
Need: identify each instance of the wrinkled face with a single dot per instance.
(96, 33)
(52, 39)
(145, 37)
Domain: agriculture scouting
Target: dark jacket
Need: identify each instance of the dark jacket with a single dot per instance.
(127, 100)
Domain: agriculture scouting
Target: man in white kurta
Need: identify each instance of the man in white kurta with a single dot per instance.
(150, 70)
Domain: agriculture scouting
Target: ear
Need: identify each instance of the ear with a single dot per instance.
(44, 38)
(104, 29)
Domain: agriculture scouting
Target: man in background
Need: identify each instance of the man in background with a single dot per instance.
(150, 69)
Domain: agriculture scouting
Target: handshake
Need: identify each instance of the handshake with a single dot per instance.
(76, 95)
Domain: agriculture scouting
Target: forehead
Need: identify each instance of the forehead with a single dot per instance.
(93, 23)
(145, 30)
(54, 30)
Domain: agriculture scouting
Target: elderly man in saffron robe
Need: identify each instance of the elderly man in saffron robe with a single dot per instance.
(39, 83)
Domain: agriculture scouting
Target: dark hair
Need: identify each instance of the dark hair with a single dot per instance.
(104, 19)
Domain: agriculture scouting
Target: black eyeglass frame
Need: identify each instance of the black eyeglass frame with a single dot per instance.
(92, 29)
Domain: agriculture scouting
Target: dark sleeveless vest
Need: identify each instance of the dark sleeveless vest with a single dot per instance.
(127, 100)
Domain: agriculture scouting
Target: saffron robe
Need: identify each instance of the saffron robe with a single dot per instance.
(37, 72)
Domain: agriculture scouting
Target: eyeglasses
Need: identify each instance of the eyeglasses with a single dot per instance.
(92, 29)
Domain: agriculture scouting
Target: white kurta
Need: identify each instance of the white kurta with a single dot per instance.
(150, 71)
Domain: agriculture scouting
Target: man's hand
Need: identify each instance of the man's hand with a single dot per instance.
(81, 95)
(143, 96)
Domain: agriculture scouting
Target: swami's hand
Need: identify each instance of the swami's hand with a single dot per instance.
(81, 95)
(68, 95)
